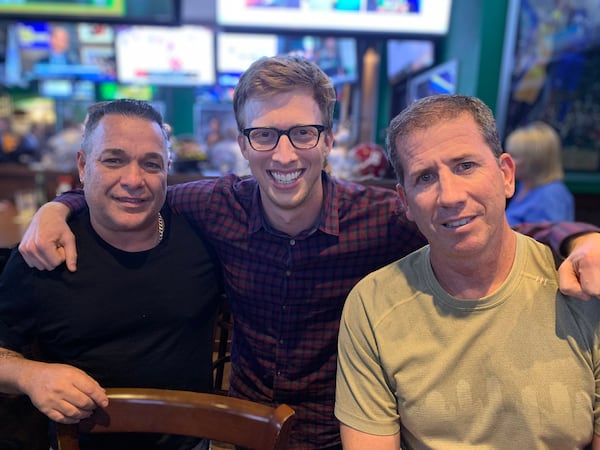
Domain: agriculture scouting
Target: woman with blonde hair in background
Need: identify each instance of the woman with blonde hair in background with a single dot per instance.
(541, 194)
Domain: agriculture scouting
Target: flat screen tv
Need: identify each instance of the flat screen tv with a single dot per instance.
(67, 89)
(406, 57)
(236, 51)
(167, 56)
(440, 79)
(390, 17)
(45, 50)
(337, 56)
(158, 12)
(114, 91)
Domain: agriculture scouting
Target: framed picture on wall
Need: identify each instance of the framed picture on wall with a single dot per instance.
(555, 76)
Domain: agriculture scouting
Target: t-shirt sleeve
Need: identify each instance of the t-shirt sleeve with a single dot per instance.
(364, 400)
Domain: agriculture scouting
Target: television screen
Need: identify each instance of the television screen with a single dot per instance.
(395, 17)
(236, 51)
(56, 88)
(337, 56)
(60, 88)
(114, 91)
(174, 56)
(440, 79)
(41, 50)
(407, 57)
(159, 12)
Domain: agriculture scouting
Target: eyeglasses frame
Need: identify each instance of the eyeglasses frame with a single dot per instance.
(320, 128)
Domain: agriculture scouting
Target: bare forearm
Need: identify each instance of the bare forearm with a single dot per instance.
(11, 366)
(356, 440)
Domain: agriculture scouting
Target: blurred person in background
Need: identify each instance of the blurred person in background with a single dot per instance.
(60, 48)
(541, 195)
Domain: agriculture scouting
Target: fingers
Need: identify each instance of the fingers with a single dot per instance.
(569, 282)
(69, 252)
(48, 239)
(64, 393)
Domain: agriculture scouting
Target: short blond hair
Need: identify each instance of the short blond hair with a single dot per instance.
(269, 76)
(537, 147)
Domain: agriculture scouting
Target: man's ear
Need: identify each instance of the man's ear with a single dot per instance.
(242, 141)
(404, 201)
(81, 160)
(507, 166)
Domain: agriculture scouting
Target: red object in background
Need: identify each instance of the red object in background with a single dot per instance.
(368, 161)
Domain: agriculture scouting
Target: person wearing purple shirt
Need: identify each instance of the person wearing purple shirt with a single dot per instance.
(293, 241)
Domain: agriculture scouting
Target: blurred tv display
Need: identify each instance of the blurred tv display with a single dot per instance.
(337, 56)
(89, 53)
(407, 57)
(170, 56)
(159, 12)
(440, 79)
(236, 51)
(390, 17)
(115, 91)
(57, 88)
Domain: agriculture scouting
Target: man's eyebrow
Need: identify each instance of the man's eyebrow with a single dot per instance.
(113, 151)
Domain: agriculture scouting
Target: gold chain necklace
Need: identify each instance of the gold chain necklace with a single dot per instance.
(161, 227)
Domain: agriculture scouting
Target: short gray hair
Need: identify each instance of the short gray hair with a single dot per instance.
(428, 111)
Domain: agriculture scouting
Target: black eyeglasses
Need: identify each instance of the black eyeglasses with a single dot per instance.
(302, 137)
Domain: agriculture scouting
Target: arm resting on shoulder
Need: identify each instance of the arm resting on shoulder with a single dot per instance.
(579, 244)
(579, 273)
(62, 392)
(353, 439)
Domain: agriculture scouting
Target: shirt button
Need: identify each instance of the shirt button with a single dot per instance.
(284, 307)
(288, 273)
(281, 341)
(279, 373)
(292, 241)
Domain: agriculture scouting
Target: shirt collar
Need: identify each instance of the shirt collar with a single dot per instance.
(328, 222)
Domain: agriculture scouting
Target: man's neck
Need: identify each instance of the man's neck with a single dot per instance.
(472, 278)
(133, 240)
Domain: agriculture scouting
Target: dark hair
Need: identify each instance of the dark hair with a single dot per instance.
(427, 112)
(268, 76)
(122, 107)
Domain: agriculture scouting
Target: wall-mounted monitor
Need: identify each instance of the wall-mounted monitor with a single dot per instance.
(440, 79)
(168, 56)
(115, 91)
(407, 57)
(337, 56)
(157, 12)
(236, 51)
(67, 89)
(44, 50)
(392, 17)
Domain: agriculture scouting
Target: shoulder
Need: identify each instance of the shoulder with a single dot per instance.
(392, 285)
(538, 259)
(352, 195)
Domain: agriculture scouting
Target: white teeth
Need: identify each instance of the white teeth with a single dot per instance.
(457, 224)
(286, 178)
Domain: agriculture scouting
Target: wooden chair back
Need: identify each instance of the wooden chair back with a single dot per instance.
(210, 416)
